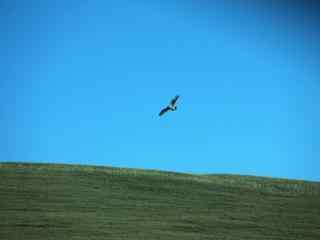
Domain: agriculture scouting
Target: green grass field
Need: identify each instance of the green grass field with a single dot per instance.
(42, 201)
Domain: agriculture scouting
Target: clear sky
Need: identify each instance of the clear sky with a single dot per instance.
(83, 82)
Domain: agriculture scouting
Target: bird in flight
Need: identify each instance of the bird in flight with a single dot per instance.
(171, 107)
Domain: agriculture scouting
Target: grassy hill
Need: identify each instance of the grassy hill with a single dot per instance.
(41, 201)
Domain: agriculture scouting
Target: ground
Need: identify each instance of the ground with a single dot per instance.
(42, 201)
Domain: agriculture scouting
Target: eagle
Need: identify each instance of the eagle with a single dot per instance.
(171, 107)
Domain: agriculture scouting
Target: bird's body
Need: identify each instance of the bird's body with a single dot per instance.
(171, 107)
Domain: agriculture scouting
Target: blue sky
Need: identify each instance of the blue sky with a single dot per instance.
(83, 82)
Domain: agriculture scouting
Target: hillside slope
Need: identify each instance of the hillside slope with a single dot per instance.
(41, 201)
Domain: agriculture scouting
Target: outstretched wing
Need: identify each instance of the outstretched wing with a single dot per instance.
(173, 101)
(163, 111)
